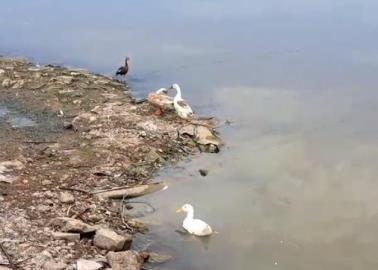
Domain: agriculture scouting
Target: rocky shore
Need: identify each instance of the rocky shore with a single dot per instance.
(74, 148)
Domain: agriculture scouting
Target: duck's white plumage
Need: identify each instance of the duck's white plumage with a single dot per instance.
(181, 106)
(194, 226)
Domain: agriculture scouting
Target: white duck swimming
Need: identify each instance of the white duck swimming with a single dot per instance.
(161, 100)
(181, 106)
(194, 226)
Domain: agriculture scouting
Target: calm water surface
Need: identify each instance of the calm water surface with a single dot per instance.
(296, 185)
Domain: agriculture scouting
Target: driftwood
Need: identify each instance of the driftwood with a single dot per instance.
(130, 192)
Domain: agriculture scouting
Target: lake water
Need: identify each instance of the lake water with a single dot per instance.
(296, 185)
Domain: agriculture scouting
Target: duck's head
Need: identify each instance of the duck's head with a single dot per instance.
(127, 59)
(185, 208)
(176, 87)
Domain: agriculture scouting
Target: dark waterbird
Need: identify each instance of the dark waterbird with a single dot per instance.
(124, 69)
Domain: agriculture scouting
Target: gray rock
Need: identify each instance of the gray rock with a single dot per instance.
(2, 71)
(83, 121)
(66, 197)
(72, 225)
(66, 236)
(125, 260)
(51, 265)
(203, 172)
(4, 268)
(88, 265)
(110, 240)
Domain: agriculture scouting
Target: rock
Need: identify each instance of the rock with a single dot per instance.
(18, 84)
(148, 125)
(4, 268)
(110, 240)
(7, 83)
(153, 156)
(66, 197)
(83, 121)
(203, 136)
(203, 172)
(88, 265)
(67, 125)
(126, 260)
(73, 237)
(64, 79)
(46, 182)
(2, 72)
(51, 265)
(72, 225)
(138, 225)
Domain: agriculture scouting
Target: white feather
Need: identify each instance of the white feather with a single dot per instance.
(181, 106)
(194, 226)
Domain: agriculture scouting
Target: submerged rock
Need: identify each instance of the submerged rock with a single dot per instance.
(157, 258)
(203, 172)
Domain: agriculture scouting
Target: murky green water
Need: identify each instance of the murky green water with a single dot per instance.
(296, 186)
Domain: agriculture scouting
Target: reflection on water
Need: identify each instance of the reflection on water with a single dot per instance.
(295, 187)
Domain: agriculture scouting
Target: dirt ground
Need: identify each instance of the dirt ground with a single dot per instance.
(65, 134)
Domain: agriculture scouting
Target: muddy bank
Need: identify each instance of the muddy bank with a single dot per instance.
(67, 136)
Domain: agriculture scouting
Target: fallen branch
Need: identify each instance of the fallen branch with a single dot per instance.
(75, 189)
(131, 192)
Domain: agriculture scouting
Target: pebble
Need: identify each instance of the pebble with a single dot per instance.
(88, 265)
(46, 182)
(66, 197)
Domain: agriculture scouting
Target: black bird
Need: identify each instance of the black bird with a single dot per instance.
(124, 69)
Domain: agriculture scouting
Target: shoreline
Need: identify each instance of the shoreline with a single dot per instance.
(68, 134)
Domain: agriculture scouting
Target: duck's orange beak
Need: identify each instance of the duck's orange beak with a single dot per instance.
(179, 210)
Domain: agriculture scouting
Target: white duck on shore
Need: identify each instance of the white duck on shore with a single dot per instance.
(182, 108)
(194, 226)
